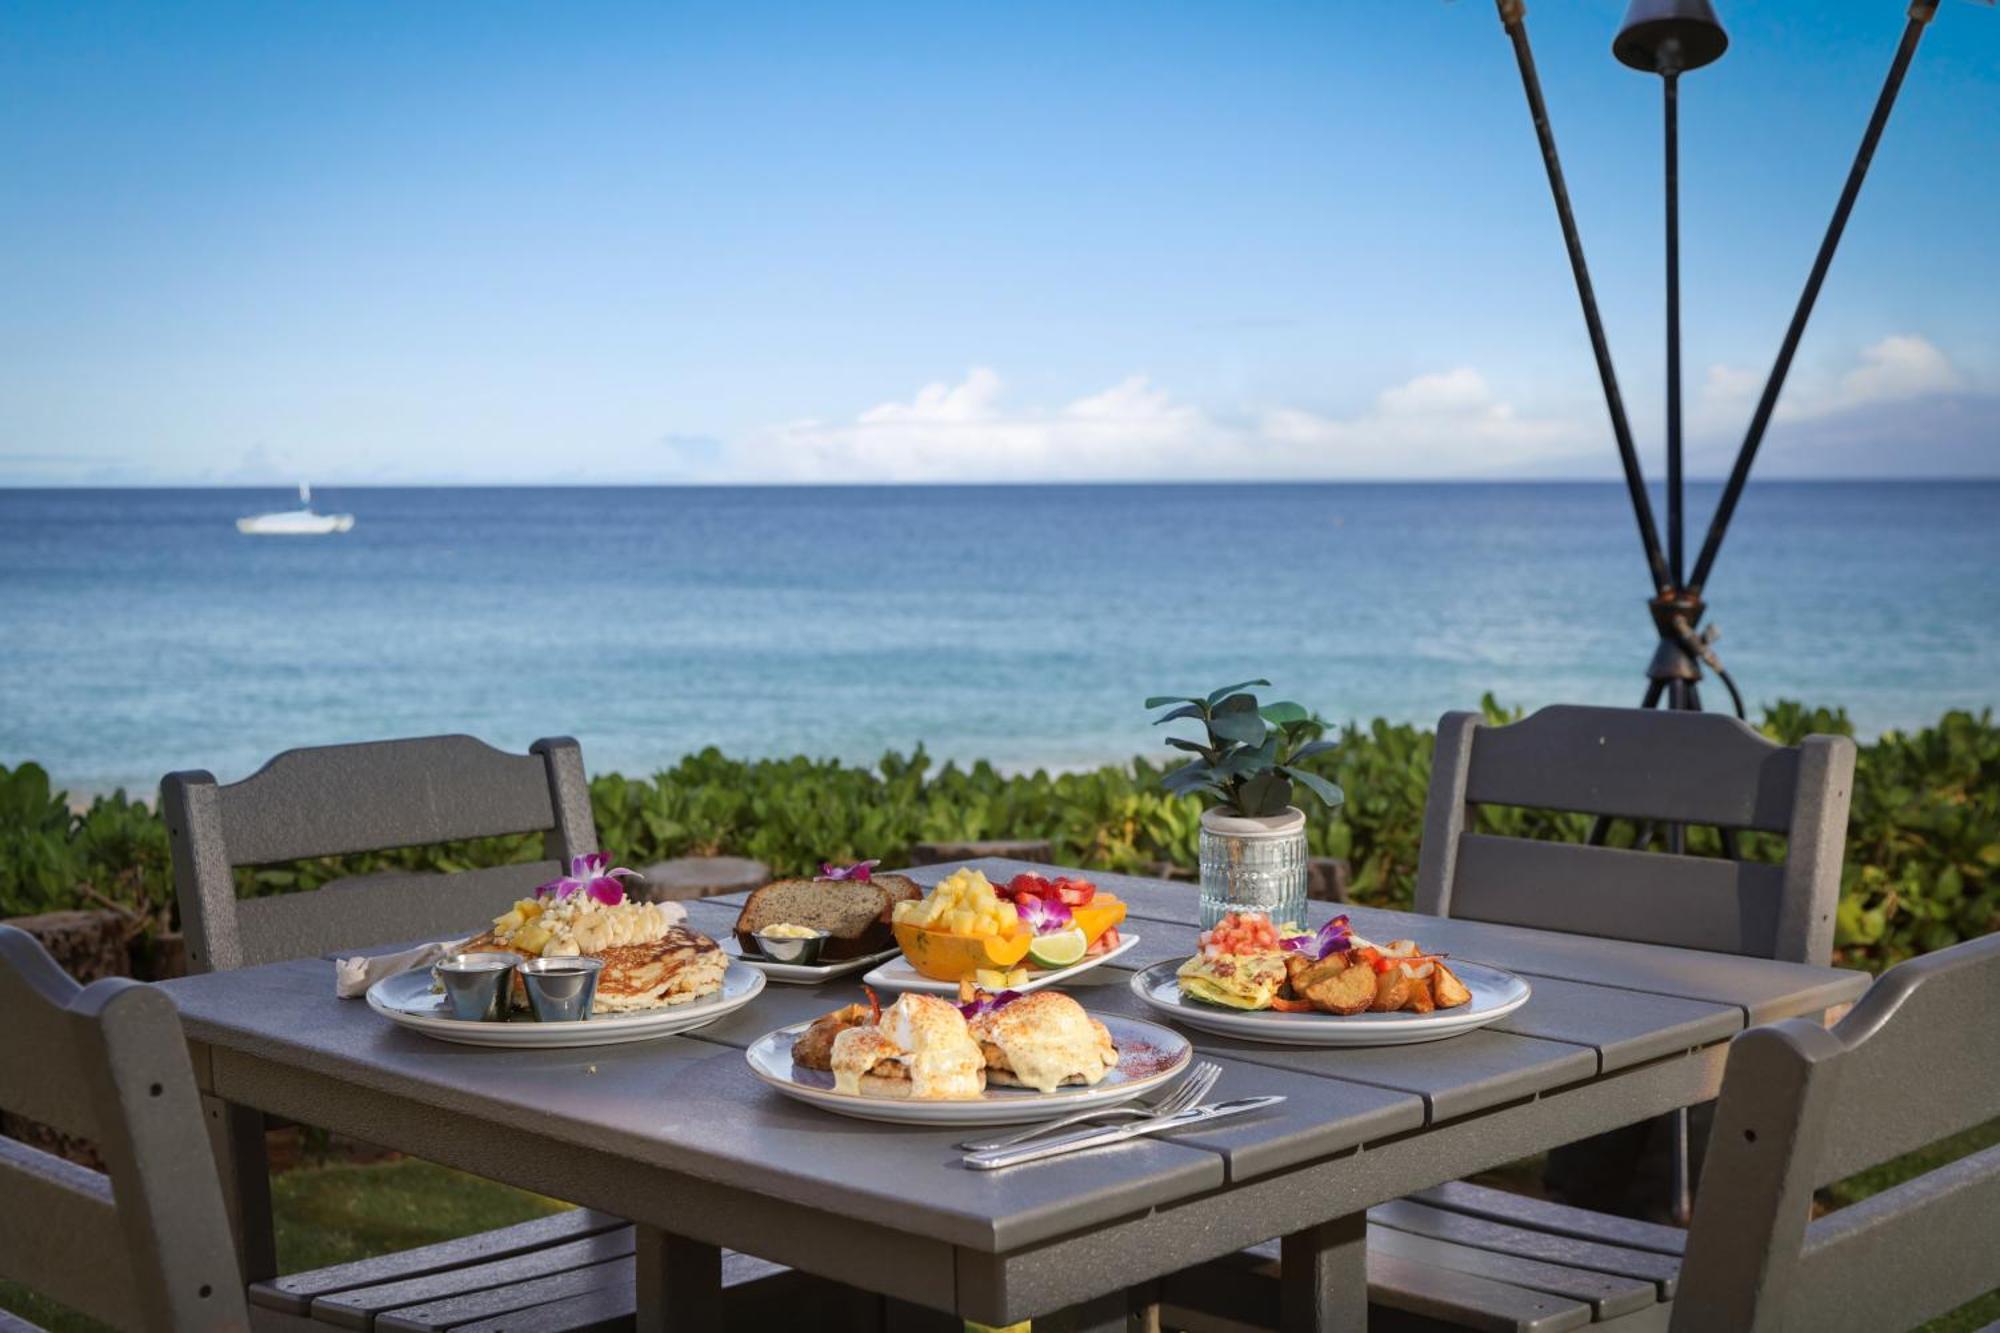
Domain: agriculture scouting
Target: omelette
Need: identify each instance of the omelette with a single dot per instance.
(1042, 1041)
(650, 959)
(1234, 981)
(920, 1048)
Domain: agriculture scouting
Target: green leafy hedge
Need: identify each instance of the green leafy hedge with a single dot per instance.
(1923, 861)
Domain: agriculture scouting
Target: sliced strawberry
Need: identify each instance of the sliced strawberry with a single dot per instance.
(1075, 892)
(1029, 884)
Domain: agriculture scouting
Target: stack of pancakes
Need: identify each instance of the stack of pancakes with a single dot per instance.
(652, 964)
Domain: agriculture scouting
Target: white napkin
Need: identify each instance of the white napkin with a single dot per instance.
(353, 976)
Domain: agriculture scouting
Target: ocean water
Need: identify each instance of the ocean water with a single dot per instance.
(140, 633)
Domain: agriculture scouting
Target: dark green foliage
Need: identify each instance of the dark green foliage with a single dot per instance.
(1923, 860)
(1252, 756)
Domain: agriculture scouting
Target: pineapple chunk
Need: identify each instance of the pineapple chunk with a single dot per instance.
(533, 939)
(511, 922)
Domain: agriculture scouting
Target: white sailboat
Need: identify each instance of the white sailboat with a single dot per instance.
(300, 522)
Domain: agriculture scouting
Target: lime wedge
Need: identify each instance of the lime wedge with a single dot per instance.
(1060, 949)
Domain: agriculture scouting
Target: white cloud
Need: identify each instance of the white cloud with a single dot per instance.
(1439, 425)
(1901, 366)
(1444, 424)
(965, 431)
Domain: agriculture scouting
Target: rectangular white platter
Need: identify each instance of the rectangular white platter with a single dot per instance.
(897, 974)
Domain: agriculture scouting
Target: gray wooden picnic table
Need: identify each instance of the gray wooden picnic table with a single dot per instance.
(677, 1135)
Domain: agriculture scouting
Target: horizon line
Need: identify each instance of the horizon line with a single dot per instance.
(686, 485)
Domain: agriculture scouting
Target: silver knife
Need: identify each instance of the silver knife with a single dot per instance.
(1097, 1138)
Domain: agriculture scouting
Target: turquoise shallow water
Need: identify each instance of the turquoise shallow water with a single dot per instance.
(139, 632)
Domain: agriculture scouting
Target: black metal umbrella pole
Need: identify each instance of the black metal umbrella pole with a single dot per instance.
(1670, 38)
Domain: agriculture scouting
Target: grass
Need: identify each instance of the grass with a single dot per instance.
(330, 1214)
(336, 1213)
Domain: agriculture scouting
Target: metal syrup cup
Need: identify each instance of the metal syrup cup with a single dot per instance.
(560, 990)
(476, 984)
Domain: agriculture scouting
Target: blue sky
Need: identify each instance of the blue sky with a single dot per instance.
(509, 242)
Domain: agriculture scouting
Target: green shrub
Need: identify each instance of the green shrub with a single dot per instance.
(1922, 859)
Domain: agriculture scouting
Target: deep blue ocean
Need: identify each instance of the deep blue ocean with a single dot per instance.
(139, 632)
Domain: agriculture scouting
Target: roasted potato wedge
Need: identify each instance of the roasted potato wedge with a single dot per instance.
(1343, 990)
(1447, 991)
(1392, 991)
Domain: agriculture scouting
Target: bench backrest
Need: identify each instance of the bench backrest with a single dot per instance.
(1648, 765)
(146, 1246)
(1916, 1061)
(337, 799)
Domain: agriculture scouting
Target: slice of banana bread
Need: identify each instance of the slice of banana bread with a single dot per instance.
(854, 913)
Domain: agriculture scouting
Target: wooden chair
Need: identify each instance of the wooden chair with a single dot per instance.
(1916, 1061)
(573, 1270)
(1650, 766)
(336, 799)
(145, 1245)
(1476, 1257)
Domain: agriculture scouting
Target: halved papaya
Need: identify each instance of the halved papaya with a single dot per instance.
(944, 956)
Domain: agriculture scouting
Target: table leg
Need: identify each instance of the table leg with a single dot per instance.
(679, 1283)
(1323, 1277)
(236, 1133)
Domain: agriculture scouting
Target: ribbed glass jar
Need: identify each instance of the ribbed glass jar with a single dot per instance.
(1253, 865)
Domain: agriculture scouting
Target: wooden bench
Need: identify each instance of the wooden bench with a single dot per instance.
(148, 1245)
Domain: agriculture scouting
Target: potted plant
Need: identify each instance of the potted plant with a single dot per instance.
(1253, 839)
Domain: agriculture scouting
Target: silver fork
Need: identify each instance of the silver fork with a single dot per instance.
(1199, 1082)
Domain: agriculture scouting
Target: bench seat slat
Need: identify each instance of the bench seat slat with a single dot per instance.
(1467, 1299)
(603, 1310)
(522, 1300)
(1404, 1215)
(356, 1307)
(1609, 1295)
(1242, 1289)
(295, 1292)
(597, 1297)
(1560, 1218)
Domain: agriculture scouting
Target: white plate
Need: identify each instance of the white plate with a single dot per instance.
(1495, 994)
(1149, 1055)
(407, 998)
(897, 974)
(792, 973)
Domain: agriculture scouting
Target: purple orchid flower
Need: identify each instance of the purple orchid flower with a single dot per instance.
(1045, 916)
(859, 870)
(1333, 937)
(986, 1003)
(587, 875)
